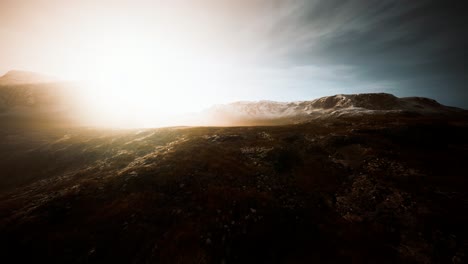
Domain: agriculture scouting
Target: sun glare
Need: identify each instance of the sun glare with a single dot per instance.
(149, 66)
(138, 80)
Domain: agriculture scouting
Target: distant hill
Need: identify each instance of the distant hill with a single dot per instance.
(379, 189)
(15, 77)
(271, 112)
(25, 95)
(28, 98)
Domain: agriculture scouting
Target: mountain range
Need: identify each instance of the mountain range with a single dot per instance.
(26, 92)
(361, 178)
(270, 112)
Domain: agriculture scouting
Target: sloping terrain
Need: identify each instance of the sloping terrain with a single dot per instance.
(382, 189)
(15, 77)
(21, 90)
(27, 98)
(31, 100)
(274, 113)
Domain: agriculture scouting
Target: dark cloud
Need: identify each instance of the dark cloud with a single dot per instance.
(417, 47)
(287, 49)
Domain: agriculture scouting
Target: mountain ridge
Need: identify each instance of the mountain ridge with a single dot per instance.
(26, 92)
(329, 106)
(18, 77)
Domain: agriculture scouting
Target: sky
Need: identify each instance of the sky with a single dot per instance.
(205, 52)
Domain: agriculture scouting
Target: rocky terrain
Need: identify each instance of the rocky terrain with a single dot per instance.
(383, 189)
(27, 97)
(274, 113)
(367, 178)
(30, 100)
(16, 77)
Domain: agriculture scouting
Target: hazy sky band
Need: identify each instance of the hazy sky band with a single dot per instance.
(289, 50)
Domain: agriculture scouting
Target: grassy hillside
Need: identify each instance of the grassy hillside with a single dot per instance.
(346, 190)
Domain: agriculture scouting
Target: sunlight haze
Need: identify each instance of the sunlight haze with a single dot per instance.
(149, 60)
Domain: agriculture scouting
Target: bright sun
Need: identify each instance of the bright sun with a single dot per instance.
(134, 79)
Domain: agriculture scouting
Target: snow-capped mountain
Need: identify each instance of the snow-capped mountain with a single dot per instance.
(271, 112)
(25, 94)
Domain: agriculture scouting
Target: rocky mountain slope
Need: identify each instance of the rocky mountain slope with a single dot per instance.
(381, 189)
(29, 95)
(270, 112)
(366, 178)
(30, 90)
(15, 77)
(31, 99)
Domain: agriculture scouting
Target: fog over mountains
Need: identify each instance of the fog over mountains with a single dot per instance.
(347, 176)
(28, 89)
(31, 94)
(15, 77)
(326, 107)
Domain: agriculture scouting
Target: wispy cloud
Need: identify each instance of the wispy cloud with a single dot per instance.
(286, 49)
(404, 47)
